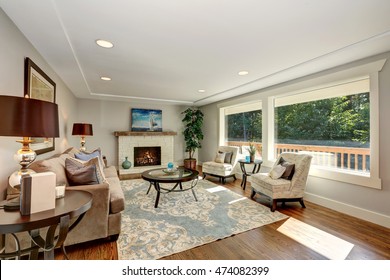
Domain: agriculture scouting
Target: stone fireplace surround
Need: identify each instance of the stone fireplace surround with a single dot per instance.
(127, 140)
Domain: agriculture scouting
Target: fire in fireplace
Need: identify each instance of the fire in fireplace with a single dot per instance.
(147, 156)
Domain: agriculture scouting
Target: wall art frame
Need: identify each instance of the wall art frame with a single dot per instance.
(38, 85)
(146, 120)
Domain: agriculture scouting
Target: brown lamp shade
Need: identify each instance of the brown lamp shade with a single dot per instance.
(27, 117)
(84, 129)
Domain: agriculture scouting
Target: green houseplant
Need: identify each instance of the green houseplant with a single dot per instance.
(193, 134)
(252, 151)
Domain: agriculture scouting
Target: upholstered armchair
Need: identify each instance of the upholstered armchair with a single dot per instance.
(223, 165)
(286, 181)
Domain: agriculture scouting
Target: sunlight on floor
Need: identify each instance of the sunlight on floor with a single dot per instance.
(326, 244)
(216, 189)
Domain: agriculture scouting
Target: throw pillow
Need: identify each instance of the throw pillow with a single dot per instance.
(53, 164)
(80, 175)
(290, 168)
(277, 171)
(228, 157)
(93, 161)
(84, 155)
(220, 157)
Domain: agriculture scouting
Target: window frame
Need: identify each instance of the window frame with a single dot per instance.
(267, 97)
(372, 180)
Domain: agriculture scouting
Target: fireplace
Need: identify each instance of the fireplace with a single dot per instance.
(147, 156)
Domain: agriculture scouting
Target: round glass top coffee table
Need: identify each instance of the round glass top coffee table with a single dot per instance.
(159, 176)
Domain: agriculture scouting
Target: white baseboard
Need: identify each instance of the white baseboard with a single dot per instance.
(351, 210)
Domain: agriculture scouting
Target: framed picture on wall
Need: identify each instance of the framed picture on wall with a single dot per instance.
(146, 119)
(38, 85)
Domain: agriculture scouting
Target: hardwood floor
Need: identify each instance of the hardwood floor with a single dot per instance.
(371, 241)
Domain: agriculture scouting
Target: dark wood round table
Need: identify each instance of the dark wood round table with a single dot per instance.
(158, 176)
(73, 205)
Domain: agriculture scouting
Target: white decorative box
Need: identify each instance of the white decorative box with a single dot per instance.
(37, 192)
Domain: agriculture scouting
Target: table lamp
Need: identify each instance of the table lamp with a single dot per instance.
(27, 117)
(82, 129)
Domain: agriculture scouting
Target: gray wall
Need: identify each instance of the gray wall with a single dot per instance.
(109, 116)
(367, 203)
(14, 48)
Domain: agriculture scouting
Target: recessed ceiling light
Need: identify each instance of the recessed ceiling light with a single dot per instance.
(105, 78)
(201, 90)
(104, 44)
(243, 73)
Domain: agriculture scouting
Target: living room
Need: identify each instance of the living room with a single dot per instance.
(110, 114)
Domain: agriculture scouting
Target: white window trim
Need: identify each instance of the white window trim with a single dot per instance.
(371, 69)
(373, 180)
(228, 109)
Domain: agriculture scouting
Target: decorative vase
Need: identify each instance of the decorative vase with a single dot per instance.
(126, 164)
(252, 158)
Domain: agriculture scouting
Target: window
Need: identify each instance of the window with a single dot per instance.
(352, 123)
(332, 124)
(242, 124)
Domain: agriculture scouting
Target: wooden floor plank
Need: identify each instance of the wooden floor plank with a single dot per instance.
(371, 241)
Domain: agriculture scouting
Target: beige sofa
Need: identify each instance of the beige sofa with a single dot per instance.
(103, 219)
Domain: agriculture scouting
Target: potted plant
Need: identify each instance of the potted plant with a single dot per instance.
(193, 134)
(252, 151)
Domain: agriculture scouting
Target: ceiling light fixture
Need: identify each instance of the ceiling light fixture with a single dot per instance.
(104, 44)
(105, 78)
(243, 73)
(201, 90)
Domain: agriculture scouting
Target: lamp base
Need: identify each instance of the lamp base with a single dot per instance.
(15, 178)
(82, 144)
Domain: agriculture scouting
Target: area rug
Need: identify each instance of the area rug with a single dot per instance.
(324, 243)
(181, 223)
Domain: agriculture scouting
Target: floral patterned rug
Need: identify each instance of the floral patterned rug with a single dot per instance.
(181, 223)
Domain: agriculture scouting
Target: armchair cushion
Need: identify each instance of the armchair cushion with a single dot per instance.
(228, 157)
(290, 167)
(220, 157)
(277, 171)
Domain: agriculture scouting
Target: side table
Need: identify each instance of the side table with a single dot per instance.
(256, 168)
(73, 205)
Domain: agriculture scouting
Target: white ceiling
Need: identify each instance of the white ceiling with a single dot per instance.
(166, 50)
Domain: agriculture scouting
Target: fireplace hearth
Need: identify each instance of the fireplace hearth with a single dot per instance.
(147, 156)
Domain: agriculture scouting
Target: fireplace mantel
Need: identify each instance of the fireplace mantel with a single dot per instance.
(144, 133)
(128, 140)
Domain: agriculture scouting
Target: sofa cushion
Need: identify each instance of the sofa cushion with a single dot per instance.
(110, 172)
(84, 155)
(93, 161)
(80, 175)
(71, 151)
(54, 164)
